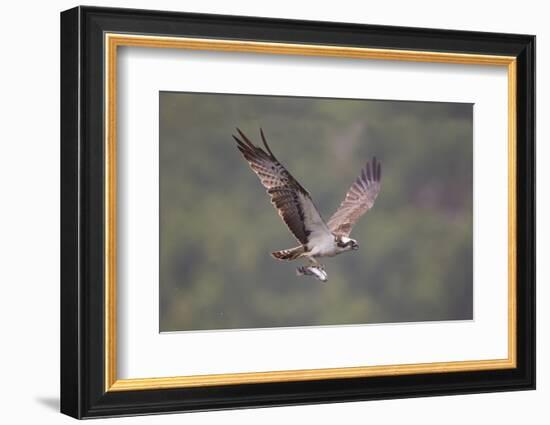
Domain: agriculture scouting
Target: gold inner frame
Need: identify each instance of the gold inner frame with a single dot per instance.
(113, 41)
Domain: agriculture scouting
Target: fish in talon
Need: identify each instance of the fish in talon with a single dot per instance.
(316, 271)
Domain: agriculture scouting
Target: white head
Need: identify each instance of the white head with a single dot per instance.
(343, 243)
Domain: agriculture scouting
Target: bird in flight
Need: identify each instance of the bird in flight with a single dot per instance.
(317, 238)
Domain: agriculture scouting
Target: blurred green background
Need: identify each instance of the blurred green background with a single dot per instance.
(218, 228)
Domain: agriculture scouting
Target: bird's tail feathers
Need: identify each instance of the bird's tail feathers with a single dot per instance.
(288, 254)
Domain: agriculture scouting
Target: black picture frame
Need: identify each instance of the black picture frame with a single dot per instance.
(83, 392)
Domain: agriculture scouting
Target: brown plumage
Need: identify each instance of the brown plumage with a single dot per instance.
(359, 199)
(292, 201)
(289, 254)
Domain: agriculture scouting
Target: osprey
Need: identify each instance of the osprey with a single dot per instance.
(317, 238)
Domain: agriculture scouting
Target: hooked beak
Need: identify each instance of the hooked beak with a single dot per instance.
(355, 246)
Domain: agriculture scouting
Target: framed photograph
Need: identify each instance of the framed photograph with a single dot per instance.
(261, 212)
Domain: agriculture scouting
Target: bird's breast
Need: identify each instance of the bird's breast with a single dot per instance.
(324, 248)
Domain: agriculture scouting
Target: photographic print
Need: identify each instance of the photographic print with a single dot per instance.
(298, 211)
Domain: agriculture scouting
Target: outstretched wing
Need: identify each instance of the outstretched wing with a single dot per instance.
(359, 199)
(292, 201)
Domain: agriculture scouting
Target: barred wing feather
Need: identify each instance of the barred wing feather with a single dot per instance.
(359, 199)
(291, 200)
